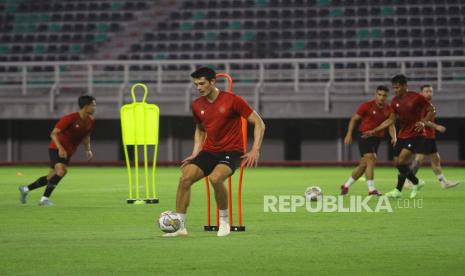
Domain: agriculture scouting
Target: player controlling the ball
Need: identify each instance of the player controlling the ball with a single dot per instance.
(218, 145)
(413, 112)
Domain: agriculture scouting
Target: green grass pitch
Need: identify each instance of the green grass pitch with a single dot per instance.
(92, 231)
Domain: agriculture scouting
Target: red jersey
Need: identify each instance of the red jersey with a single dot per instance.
(73, 130)
(409, 108)
(372, 116)
(430, 132)
(222, 121)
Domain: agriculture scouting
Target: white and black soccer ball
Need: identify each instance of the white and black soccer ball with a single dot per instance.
(169, 222)
(313, 193)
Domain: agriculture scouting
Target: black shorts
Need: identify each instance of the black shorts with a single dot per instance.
(428, 147)
(368, 145)
(55, 158)
(207, 160)
(413, 144)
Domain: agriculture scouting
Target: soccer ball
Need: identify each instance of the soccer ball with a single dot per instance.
(313, 193)
(169, 222)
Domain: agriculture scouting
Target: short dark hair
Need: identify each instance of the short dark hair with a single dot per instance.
(85, 100)
(206, 72)
(400, 79)
(383, 88)
(425, 86)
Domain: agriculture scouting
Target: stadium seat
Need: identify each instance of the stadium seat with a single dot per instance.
(430, 53)
(458, 52)
(444, 53)
(258, 26)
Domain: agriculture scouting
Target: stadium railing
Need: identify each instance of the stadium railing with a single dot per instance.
(259, 80)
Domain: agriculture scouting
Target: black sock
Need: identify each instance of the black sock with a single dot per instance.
(40, 182)
(400, 182)
(405, 171)
(51, 185)
(415, 166)
(412, 178)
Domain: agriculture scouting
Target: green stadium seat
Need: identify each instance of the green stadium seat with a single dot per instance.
(102, 27)
(298, 45)
(335, 12)
(54, 28)
(363, 33)
(235, 25)
(115, 6)
(199, 15)
(75, 49)
(187, 25)
(211, 36)
(4, 49)
(247, 36)
(101, 37)
(261, 3)
(387, 11)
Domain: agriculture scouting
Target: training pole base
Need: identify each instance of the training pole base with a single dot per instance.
(215, 228)
(240, 228)
(210, 228)
(142, 201)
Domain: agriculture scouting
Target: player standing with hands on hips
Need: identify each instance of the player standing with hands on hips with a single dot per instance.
(70, 131)
(218, 145)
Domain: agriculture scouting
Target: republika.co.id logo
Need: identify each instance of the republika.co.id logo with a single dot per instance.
(340, 204)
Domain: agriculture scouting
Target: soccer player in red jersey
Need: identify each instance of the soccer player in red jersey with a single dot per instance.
(218, 145)
(70, 131)
(409, 107)
(429, 146)
(372, 113)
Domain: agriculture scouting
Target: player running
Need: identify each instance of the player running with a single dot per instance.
(372, 113)
(70, 131)
(218, 146)
(413, 111)
(429, 147)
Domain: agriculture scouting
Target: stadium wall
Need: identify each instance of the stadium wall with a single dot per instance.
(296, 139)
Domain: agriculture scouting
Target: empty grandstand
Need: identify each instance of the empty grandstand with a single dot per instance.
(302, 59)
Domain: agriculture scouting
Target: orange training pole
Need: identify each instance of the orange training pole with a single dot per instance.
(208, 201)
(239, 201)
(239, 192)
